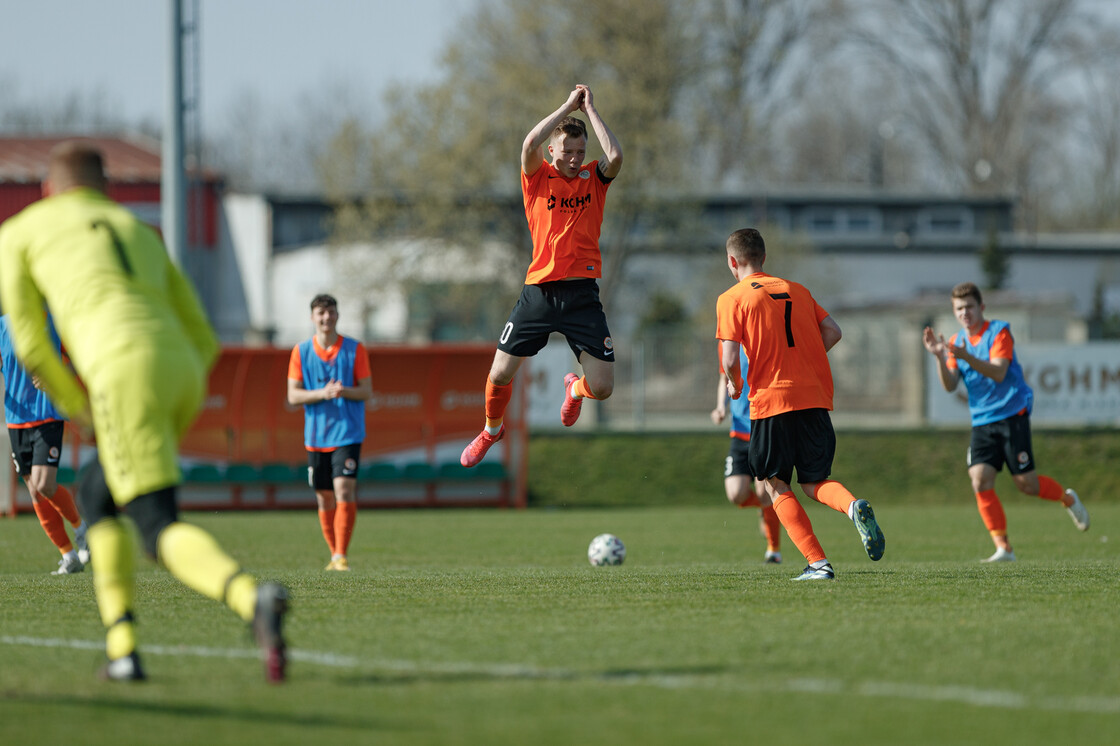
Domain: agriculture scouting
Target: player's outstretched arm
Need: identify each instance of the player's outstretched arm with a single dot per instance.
(532, 149)
(721, 400)
(612, 150)
(729, 357)
(830, 332)
(935, 344)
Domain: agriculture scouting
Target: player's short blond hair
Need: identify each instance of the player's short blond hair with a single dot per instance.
(75, 163)
(570, 126)
(967, 290)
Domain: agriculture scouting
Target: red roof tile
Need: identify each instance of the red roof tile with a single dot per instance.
(24, 159)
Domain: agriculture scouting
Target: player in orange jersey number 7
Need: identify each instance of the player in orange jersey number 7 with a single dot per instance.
(564, 201)
(786, 336)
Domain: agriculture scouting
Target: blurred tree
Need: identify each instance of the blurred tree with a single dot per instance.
(690, 90)
(755, 58)
(1086, 192)
(665, 311)
(995, 262)
(444, 165)
(1104, 323)
(279, 147)
(987, 83)
(89, 111)
(844, 131)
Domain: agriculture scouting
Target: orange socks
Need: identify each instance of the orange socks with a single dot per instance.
(345, 516)
(497, 399)
(52, 524)
(798, 526)
(326, 522)
(834, 495)
(63, 501)
(991, 511)
(773, 528)
(580, 388)
(1048, 489)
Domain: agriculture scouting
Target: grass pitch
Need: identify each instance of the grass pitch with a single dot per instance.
(490, 627)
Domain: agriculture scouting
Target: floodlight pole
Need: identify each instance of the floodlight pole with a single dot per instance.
(173, 179)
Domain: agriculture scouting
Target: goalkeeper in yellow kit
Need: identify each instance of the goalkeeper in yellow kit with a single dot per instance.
(139, 340)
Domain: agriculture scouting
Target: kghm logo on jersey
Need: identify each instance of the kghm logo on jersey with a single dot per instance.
(573, 203)
(551, 201)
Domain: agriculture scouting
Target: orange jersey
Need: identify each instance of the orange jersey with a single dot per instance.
(565, 216)
(778, 324)
(1003, 346)
(361, 359)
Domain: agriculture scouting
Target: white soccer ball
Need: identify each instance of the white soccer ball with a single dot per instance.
(606, 549)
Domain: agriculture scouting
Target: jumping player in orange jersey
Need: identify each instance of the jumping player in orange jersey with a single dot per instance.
(1000, 401)
(739, 483)
(329, 375)
(564, 201)
(786, 336)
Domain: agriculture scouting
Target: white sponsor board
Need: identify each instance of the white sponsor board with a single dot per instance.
(1073, 385)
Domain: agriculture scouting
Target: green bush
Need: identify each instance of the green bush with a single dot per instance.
(921, 467)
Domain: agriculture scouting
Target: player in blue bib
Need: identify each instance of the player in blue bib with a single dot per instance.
(329, 375)
(1000, 401)
(36, 431)
(738, 479)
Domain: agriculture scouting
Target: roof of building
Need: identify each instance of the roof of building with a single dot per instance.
(24, 159)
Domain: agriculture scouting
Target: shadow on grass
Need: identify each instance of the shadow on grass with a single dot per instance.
(234, 713)
(525, 673)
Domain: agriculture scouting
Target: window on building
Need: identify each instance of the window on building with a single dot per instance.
(821, 220)
(863, 220)
(945, 221)
(841, 220)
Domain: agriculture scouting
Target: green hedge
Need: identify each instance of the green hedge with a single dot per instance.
(925, 467)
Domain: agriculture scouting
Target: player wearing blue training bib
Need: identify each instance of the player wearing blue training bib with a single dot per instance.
(989, 401)
(36, 431)
(999, 401)
(738, 479)
(329, 375)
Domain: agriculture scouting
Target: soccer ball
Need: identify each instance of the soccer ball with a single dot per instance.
(606, 549)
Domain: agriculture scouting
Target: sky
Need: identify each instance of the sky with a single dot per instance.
(277, 49)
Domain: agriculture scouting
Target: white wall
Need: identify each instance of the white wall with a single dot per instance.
(244, 253)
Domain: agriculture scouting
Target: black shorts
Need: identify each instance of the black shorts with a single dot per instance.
(570, 307)
(802, 440)
(1007, 441)
(324, 466)
(738, 460)
(36, 446)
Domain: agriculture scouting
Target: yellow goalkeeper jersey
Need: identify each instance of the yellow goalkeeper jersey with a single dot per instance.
(109, 283)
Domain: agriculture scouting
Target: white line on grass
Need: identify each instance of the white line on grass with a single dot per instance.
(997, 698)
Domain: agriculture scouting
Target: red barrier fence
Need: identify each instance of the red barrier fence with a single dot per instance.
(245, 450)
